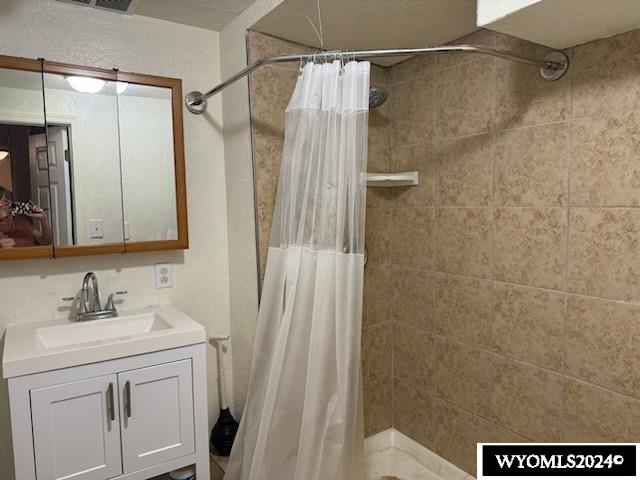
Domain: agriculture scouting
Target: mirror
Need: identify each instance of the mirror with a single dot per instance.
(25, 206)
(91, 161)
(84, 159)
(148, 163)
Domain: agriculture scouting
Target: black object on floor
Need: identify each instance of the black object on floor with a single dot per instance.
(224, 433)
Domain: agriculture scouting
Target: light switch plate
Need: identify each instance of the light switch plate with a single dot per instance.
(95, 228)
(164, 277)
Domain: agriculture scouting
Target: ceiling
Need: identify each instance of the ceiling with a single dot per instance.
(545, 21)
(210, 14)
(371, 24)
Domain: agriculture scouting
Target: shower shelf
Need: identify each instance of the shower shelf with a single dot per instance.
(397, 179)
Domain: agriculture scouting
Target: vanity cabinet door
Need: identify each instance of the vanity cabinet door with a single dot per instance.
(76, 430)
(156, 414)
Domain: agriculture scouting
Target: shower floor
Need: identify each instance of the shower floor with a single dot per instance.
(391, 455)
(386, 464)
(394, 464)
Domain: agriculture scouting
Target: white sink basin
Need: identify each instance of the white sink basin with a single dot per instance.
(38, 347)
(117, 329)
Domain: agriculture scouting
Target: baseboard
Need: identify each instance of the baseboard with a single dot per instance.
(379, 441)
(393, 438)
(218, 466)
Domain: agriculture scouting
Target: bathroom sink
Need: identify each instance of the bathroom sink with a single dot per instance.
(116, 329)
(38, 347)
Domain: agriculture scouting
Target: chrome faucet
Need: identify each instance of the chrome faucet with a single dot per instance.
(94, 306)
(93, 310)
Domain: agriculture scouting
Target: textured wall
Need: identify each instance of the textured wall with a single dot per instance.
(512, 273)
(31, 290)
(243, 291)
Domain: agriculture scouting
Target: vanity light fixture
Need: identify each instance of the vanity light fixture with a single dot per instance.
(3, 154)
(85, 84)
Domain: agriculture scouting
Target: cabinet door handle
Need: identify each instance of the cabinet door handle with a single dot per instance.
(127, 398)
(111, 403)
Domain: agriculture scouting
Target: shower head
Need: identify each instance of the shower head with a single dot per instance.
(377, 96)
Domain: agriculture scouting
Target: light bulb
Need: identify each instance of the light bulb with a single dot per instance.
(121, 87)
(3, 154)
(86, 84)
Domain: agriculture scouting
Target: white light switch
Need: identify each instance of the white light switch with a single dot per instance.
(95, 228)
(163, 275)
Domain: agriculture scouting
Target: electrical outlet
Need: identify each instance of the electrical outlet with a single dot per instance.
(164, 278)
(95, 228)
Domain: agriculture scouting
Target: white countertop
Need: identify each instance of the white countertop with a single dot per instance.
(37, 347)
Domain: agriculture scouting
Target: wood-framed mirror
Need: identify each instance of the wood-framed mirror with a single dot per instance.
(91, 161)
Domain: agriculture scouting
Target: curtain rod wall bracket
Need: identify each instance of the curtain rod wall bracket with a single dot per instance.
(194, 104)
(555, 66)
(552, 67)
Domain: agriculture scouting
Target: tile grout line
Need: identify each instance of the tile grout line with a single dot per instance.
(493, 200)
(569, 163)
(488, 420)
(522, 285)
(393, 354)
(435, 69)
(492, 353)
(465, 409)
(389, 165)
(434, 253)
(511, 207)
(489, 131)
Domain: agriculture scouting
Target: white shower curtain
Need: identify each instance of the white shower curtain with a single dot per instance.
(303, 417)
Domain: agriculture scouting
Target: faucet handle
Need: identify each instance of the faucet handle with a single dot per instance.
(109, 305)
(69, 299)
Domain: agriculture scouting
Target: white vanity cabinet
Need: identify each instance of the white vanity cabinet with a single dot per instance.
(157, 414)
(131, 418)
(74, 434)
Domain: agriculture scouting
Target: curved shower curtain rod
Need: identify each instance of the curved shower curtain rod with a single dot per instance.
(551, 67)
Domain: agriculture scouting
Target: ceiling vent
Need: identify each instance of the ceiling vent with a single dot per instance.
(117, 6)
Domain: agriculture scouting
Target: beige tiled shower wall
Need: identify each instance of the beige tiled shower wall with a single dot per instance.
(502, 296)
(510, 277)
